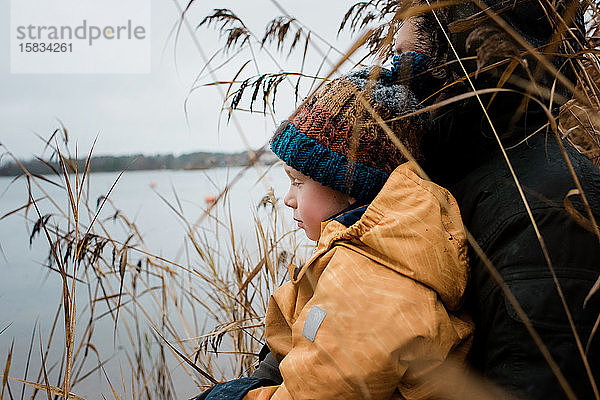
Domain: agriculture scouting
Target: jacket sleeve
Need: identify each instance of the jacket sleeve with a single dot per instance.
(367, 332)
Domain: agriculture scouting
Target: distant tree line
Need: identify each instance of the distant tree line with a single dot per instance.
(199, 160)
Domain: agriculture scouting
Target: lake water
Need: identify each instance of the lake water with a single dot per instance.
(30, 294)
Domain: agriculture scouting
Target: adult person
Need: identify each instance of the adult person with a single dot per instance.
(463, 153)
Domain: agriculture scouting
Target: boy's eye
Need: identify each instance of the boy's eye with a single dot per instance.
(296, 182)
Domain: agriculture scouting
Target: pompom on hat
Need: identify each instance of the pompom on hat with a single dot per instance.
(334, 139)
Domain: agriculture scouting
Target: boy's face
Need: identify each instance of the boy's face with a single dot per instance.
(312, 202)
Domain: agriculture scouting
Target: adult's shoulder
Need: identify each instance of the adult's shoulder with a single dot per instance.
(488, 195)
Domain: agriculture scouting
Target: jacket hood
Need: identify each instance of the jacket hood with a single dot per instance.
(413, 227)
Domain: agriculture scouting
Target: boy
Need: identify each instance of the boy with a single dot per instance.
(377, 305)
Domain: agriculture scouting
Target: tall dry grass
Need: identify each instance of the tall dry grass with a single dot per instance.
(203, 316)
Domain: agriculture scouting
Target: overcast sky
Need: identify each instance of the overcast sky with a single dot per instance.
(144, 113)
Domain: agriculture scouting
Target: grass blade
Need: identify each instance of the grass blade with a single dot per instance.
(7, 369)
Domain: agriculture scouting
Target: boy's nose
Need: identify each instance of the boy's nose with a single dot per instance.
(289, 200)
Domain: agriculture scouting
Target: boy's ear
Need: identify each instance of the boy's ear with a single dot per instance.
(351, 200)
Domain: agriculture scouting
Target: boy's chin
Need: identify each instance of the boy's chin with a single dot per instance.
(313, 237)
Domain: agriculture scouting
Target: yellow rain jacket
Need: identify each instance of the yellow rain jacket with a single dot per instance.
(378, 304)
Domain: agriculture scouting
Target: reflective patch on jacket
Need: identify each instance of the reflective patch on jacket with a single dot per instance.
(315, 317)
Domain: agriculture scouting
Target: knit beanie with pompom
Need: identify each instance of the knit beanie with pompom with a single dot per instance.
(334, 139)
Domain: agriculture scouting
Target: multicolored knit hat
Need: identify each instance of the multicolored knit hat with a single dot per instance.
(334, 139)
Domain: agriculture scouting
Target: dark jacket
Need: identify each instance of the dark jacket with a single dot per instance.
(494, 213)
